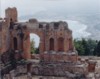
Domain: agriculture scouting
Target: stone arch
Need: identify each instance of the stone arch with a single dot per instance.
(40, 34)
(15, 43)
(36, 39)
(60, 42)
(51, 42)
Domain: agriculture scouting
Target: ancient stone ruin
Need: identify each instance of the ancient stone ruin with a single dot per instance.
(55, 37)
(57, 55)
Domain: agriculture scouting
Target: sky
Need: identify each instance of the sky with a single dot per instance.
(51, 9)
(30, 7)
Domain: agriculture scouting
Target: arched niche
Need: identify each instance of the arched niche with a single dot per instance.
(60, 42)
(15, 43)
(51, 42)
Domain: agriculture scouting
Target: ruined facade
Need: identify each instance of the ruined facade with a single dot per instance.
(55, 37)
(57, 54)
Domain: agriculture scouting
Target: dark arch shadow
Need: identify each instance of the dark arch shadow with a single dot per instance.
(60, 42)
(15, 43)
(51, 44)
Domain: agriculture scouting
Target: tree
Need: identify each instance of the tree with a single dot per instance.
(97, 49)
(86, 46)
(91, 45)
(32, 46)
(37, 50)
(79, 47)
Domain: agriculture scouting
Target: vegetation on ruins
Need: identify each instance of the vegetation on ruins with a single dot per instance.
(32, 46)
(87, 47)
(34, 50)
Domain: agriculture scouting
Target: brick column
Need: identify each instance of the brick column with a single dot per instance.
(65, 45)
(26, 47)
(55, 44)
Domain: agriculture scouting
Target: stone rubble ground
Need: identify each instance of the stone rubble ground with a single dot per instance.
(20, 69)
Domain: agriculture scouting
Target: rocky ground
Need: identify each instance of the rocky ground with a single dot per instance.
(40, 77)
(26, 76)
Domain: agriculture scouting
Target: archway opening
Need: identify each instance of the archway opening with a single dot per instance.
(34, 42)
(60, 44)
(15, 43)
(51, 44)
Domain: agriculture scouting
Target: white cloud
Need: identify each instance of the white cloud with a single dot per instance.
(32, 6)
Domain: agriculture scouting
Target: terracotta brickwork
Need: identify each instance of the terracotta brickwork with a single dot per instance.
(54, 36)
(56, 49)
(11, 13)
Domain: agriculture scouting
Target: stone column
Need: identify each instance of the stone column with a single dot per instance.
(26, 46)
(71, 46)
(3, 42)
(41, 46)
(65, 44)
(55, 42)
(12, 41)
(42, 43)
(46, 42)
(4, 37)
